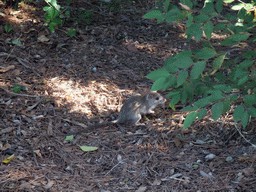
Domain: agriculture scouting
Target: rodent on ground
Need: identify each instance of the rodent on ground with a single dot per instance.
(133, 109)
(138, 105)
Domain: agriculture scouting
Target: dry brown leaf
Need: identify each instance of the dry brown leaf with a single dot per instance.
(185, 7)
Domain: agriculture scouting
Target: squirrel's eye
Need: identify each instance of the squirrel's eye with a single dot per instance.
(157, 98)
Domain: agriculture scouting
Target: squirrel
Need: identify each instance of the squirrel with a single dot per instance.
(133, 109)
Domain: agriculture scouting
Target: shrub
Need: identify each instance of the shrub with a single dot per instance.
(209, 77)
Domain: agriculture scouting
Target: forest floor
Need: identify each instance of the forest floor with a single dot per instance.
(62, 84)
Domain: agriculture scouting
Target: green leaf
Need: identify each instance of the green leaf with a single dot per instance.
(208, 8)
(230, 17)
(238, 112)
(16, 88)
(242, 80)
(239, 37)
(68, 2)
(182, 77)
(184, 96)
(201, 18)
(250, 99)
(207, 44)
(217, 110)
(6, 27)
(240, 73)
(190, 20)
(219, 26)
(208, 29)
(219, 6)
(172, 94)
(216, 95)
(69, 138)
(188, 3)
(238, 6)
(56, 21)
(249, 16)
(159, 73)
(226, 106)
(169, 66)
(51, 27)
(233, 98)
(71, 32)
(55, 5)
(249, 54)
(88, 148)
(228, 42)
(173, 14)
(166, 5)
(154, 14)
(171, 80)
(190, 91)
(252, 111)
(244, 119)
(198, 35)
(223, 87)
(158, 84)
(16, 42)
(246, 64)
(189, 120)
(46, 8)
(241, 14)
(197, 69)
(217, 63)
(183, 59)
(228, 1)
(234, 38)
(194, 30)
(220, 77)
(161, 19)
(201, 114)
(189, 108)
(205, 53)
(175, 100)
(202, 102)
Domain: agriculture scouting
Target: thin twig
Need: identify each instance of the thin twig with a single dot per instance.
(17, 94)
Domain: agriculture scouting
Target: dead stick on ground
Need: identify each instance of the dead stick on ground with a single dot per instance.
(17, 94)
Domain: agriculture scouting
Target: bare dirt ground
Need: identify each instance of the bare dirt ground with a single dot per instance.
(76, 81)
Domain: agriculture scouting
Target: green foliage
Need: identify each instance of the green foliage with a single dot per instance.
(7, 28)
(18, 88)
(71, 32)
(208, 77)
(16, 42)
(112, 4)
(52, 14)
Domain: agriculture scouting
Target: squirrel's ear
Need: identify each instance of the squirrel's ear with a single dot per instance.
(150, 95)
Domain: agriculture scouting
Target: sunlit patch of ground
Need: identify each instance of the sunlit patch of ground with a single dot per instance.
(94, 97)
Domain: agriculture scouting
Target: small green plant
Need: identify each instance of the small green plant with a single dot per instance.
(16, 42)
(7, 28)
(56, 15)
(18, 88)
(52, 14)
(207, 77)
(71, 32)
(86, 16)
(112, 4)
